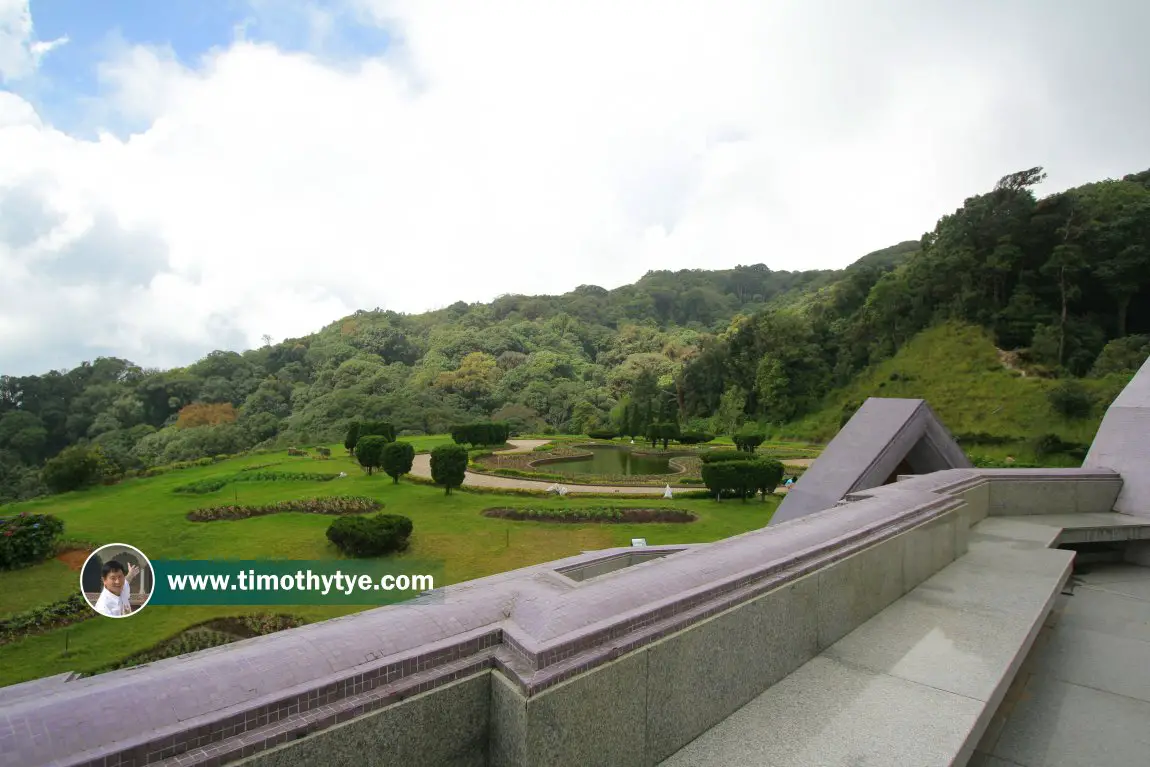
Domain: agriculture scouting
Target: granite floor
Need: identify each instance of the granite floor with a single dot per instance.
(1082, 697)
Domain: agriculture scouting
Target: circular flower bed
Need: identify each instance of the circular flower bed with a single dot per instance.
(605, 514)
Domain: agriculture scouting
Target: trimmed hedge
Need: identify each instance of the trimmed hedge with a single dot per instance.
(743, 477)
(695, 438)
(377, 429)
(213, 633)
(335, 504)
(370, 536)
(481, 433)
(212, 484)
(722, 456)
(606, 514)
(748, 440)
(603, 434)
(26, 539)
(65, 612)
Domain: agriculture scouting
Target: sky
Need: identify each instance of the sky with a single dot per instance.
(189, 175)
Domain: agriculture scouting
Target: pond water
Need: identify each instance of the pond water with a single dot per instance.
(609, 460)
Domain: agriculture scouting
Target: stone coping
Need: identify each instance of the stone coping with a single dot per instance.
(535, 625)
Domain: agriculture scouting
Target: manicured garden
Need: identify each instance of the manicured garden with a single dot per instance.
(150, 514)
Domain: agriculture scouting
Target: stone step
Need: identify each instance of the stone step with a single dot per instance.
(915, 685)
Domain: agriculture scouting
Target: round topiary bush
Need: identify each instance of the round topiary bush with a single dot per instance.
(449, 466)
(370, 536)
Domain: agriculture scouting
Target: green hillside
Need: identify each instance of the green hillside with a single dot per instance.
(962, 375)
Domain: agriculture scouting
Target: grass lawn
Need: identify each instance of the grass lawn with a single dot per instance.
(146, 513)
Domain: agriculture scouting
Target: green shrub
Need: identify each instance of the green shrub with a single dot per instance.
(332, 504)
(723, 456)
(481, 434)
(369, 451)
(1070, 399)
(449, 466)
(690, 481)
(707, 495)
(202, 486)
(370, 536)
(376, 429)
(605, 514)
(351, 437)
(213, 633)
(251, 474)
(75, 468)
(64, 612)
(603, 434)
(27, 539)
(983, 438)
(1052, 444)
(397, 459)
(743, 477)
(662, 432)
(748, 439)
(695, 438)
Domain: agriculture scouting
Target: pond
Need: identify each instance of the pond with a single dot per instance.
(608, 460)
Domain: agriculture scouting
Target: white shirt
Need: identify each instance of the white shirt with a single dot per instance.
(110, 604)
(114, 606)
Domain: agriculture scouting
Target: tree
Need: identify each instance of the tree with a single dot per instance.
(1122, 355)
(74, 468)
(377, 428)
(369, 451)
(732, 405)
(1023, 179)
(748, 439)
(449, 466)
(766, 473)
(397, 459)
(721, 477)
(1070, 399)
(352, 437)
(1064, 265)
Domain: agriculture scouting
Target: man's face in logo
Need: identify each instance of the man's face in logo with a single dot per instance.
(114, 581)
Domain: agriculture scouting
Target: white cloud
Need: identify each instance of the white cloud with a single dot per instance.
(20, 52)
(519, 147)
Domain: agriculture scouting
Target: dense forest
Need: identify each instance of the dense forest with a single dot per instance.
(1064, 281)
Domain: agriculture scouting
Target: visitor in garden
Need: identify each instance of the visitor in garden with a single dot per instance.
(115, 599)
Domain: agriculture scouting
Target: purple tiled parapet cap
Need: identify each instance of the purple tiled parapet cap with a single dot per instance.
(536, 625)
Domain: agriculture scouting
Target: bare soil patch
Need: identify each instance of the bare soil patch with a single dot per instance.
(74, 559)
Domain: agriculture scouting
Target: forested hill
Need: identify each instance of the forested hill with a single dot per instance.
(1063, 281)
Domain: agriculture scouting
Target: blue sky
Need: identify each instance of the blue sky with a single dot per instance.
(96, 29)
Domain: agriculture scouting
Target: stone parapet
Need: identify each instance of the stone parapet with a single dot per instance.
(536, 627)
